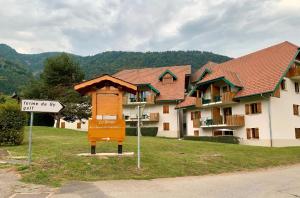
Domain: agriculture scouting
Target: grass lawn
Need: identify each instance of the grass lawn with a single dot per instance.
(55, 160)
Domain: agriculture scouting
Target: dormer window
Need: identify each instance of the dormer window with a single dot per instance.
(167, 77)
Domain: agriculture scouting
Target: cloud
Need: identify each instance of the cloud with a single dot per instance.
(85, 27)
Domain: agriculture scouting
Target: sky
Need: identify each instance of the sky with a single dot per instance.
(88, 27)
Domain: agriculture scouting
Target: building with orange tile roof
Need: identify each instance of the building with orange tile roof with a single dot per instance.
(254, 97)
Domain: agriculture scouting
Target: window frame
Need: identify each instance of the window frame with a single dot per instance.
(283, 85)
(297, 90)
(166, 126)
(166, 109)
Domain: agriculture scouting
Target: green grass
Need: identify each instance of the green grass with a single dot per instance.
(55, 160)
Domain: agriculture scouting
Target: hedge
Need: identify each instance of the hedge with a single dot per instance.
(12, 122)
(145, 131)
(220, 139)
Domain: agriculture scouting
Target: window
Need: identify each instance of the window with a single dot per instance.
(166, 109)
(195, 115)
(252, 133)
(283, 84)
(296, 109)
(217, 133)
(79, 125)
(132, 98)
(196, 132)
(167, 79)
(297, 133)
(253, 108)
(166, 126)
(228, 133)
(296, 87)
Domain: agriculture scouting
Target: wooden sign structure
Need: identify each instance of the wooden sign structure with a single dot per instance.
(107, 122)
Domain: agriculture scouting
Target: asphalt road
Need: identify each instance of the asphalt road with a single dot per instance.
(275, 182)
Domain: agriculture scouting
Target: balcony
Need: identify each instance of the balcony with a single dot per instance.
(294, 72)
(224, 98)
(230, 121)
(149, 100)
(151, 117)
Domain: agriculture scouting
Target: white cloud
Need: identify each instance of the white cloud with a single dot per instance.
(85, 27)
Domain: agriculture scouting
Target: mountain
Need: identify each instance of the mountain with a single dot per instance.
(12, 76)
(110, 62)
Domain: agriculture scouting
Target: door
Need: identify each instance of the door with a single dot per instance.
(216, 115)
(227, 112)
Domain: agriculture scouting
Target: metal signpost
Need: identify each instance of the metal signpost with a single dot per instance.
(139, 137)
(38, 106)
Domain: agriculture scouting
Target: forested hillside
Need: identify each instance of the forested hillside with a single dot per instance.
(18, 65)
(12, 76)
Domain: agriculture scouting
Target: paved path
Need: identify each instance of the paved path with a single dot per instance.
(276, 182)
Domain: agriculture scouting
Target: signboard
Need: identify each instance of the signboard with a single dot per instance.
(41, 106)
(38, 106)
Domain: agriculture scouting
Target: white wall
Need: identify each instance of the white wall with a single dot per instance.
(73, 125)
(251, 121)
(171, 117)
(283, 119)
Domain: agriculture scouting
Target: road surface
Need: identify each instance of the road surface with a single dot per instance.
(275, 182)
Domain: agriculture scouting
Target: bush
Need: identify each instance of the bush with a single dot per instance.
(145, 131)
(220, 139)
(12, 122)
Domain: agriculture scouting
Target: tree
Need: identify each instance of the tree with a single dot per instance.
(56, 82)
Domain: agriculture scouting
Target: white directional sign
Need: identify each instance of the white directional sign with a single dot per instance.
(41, 106)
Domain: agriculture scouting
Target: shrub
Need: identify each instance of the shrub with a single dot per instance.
(12, 122)
(220, 139)
(145, 131)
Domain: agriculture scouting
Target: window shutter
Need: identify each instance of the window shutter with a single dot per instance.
(296, 87)
(247, 109)
(192, 116)
(256, 133)
(166, 126)
(248, 133)
(259, 107)
(199, 114)
(295, 109)
(166, 109)
(297, 133)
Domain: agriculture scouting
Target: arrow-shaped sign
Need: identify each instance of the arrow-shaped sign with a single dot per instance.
(41, 106)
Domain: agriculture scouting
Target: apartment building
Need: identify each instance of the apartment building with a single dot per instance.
(160, 90)
(255, 97)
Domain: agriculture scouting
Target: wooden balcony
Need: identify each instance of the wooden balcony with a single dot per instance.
(231, 121)
(154, 117)
(150, 99)
(223, 99)
(235, 120)
(294, 72)
(227, 97)
(198, 102)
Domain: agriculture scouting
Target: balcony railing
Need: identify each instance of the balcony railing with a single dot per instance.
(294, 72)
(231, 121)
(151, 117)
(149, 99)
(224, 98)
